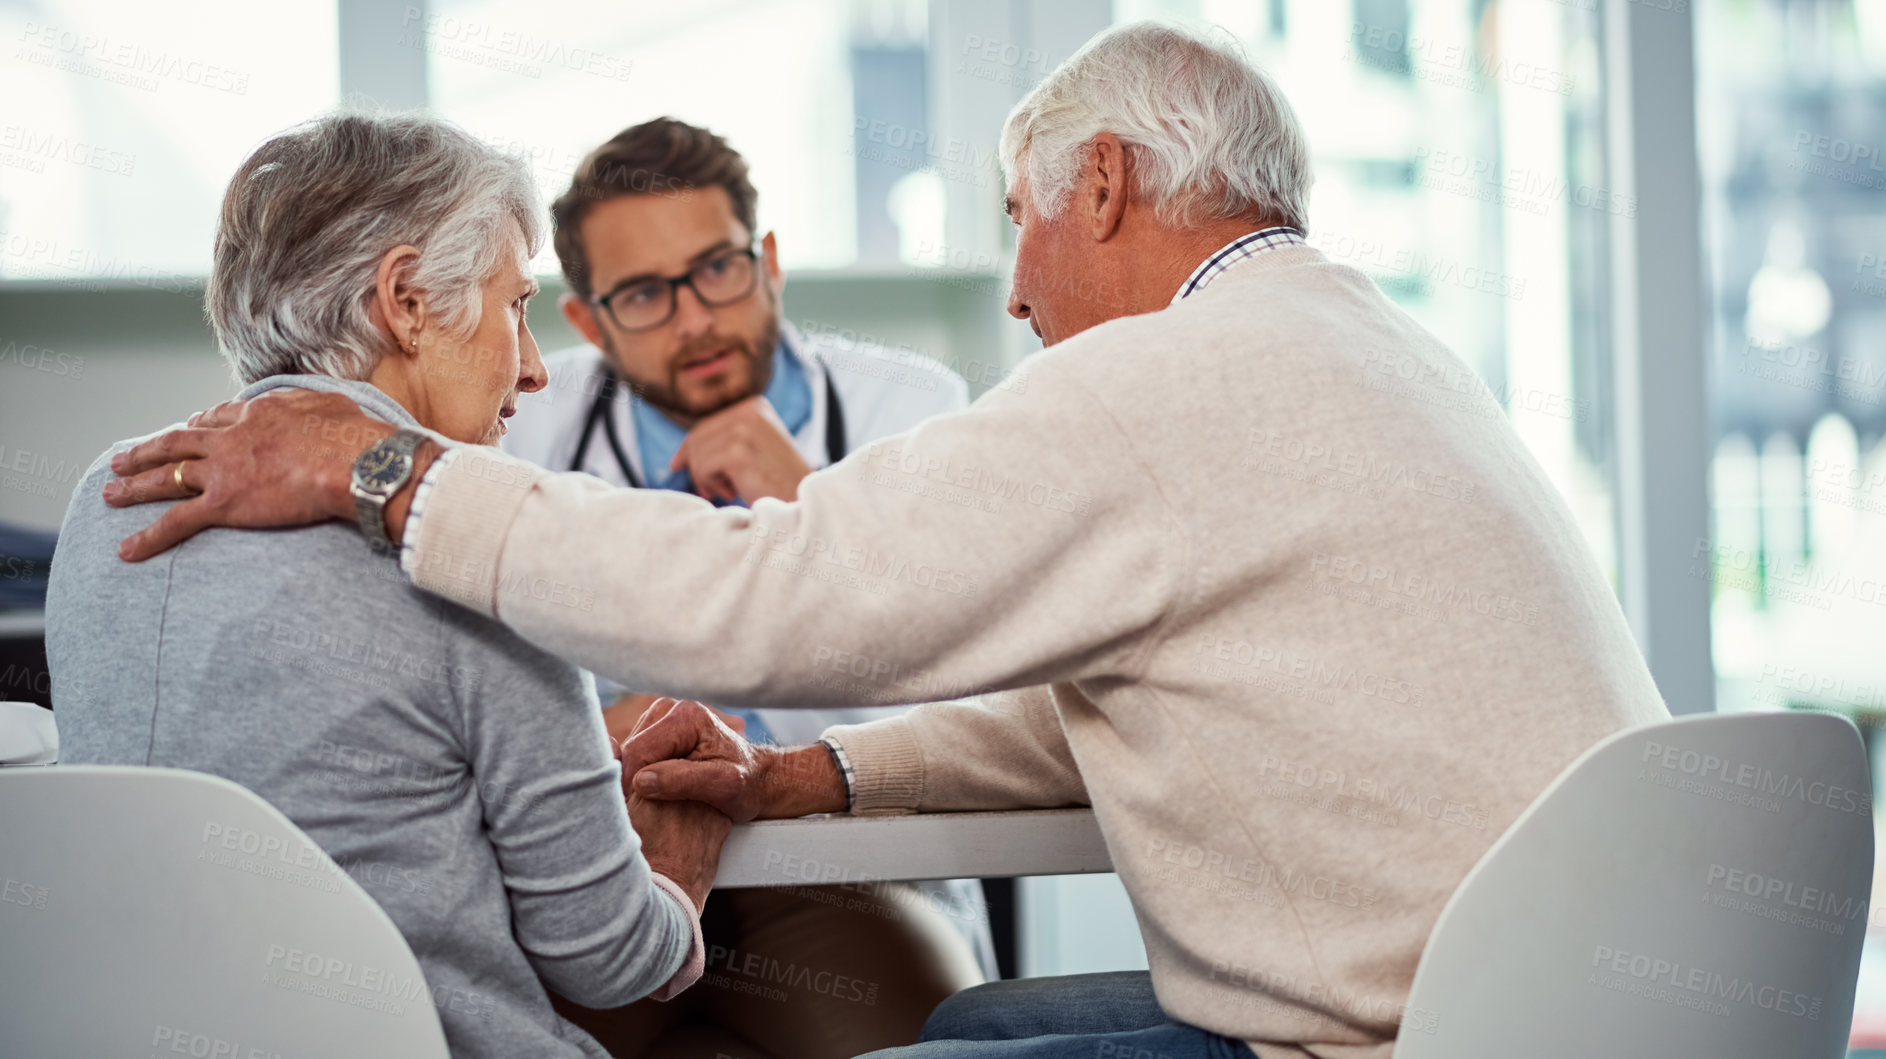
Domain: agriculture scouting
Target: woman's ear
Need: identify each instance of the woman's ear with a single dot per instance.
(399, 307)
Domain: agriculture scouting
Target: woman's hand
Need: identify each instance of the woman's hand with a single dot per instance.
(681, 840)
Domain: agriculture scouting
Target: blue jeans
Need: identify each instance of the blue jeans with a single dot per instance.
(1084, 1016)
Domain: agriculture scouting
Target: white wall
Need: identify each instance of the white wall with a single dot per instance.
(82, 368)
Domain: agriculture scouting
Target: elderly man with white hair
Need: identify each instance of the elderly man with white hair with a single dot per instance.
(1307, 646)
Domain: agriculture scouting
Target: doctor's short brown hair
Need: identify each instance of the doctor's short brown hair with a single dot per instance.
(659, 157)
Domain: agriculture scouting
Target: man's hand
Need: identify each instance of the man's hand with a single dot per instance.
(682, 750)
(682, 841)
(626, 712)
(742, 452)
(283, 459)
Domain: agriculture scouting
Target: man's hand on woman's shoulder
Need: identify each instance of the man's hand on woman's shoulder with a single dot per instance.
(283, 459)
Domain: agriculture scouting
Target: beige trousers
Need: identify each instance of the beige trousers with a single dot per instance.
(802, 972)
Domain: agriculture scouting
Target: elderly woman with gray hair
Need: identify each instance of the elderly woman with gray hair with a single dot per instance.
(459, 774)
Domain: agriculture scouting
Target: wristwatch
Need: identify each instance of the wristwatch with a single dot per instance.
(379, 473)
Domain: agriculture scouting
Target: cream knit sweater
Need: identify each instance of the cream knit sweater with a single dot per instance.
(1306, 625)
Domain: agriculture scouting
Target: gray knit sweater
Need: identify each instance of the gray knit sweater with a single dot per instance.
(459, 774)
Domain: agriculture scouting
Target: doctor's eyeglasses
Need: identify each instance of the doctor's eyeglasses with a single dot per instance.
(647, 303)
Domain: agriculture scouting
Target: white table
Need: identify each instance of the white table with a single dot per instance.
(854, 849)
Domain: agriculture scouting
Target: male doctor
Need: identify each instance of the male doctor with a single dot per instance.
(692, 380)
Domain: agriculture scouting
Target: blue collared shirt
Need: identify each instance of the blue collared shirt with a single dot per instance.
(658, 438)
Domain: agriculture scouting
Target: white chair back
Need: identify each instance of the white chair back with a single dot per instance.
(158, 911)
(1693, 888)
(27, 735)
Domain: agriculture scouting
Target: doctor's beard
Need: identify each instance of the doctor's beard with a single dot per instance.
(665, 394)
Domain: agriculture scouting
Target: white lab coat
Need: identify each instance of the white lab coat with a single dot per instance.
(881, 393)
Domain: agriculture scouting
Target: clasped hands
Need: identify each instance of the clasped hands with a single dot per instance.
(690, 774)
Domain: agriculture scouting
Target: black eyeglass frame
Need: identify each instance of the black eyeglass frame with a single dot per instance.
(752, 252)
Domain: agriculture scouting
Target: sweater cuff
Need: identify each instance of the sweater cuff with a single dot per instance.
(471, 501)
(886, 765)
(695, 964)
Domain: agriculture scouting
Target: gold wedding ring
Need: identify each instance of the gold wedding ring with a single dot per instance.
(177, 477)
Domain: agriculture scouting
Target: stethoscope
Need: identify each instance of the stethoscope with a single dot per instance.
(606, 398)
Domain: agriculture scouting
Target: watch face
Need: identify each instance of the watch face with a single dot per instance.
(379, 470)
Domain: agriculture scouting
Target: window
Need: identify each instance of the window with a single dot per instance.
(1458, 162)
(825, 123)
(1791, 119)
(115, 172)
